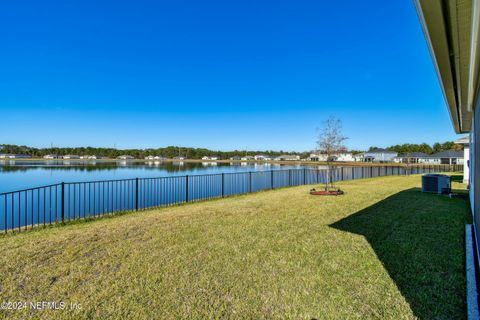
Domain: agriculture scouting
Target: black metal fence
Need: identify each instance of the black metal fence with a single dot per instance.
(64, 202)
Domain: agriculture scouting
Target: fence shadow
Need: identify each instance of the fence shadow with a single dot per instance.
(419, 238)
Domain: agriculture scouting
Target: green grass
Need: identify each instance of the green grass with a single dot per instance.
(384, 250)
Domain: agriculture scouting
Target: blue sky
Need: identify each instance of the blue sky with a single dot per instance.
(217, 74)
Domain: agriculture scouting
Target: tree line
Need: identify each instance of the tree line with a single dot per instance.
(167, 152)
(423, 147)
(198, 153)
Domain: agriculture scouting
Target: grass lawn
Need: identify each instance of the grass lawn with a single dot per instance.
(384, 250)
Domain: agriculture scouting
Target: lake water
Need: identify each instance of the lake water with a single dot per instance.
(92, 189)
(17, 175)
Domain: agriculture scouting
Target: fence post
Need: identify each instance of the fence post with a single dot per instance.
(186, 188)
(304, 176)
(223, 184)
(63, 202)
(136, 194)
(289, 177)
(353, 173)
(271, 179)
(318, 175)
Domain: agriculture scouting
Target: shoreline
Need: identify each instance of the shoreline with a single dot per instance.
(295, 163)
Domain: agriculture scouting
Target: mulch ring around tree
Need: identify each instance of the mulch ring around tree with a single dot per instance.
(327, 192)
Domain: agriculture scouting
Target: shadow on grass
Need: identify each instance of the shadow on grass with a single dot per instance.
(419, 238)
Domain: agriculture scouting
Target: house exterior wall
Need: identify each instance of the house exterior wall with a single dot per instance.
(409, 160)
(318, 157)
(262, 158)
(345, 157)
(358, 157)
(339, 157)
(430, 160)
(466, 158)
(381, 156)
(474, 171)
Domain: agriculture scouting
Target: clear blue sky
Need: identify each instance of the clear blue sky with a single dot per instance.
(217, 74)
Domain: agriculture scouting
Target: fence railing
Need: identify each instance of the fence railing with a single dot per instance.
(68, 201)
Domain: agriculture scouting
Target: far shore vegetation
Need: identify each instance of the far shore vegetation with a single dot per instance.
(198, 153)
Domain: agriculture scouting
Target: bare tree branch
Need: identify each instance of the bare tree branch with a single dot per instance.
(331, 142)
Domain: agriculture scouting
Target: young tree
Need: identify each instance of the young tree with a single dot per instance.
(331, 142)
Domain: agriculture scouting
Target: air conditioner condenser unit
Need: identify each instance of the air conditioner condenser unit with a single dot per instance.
(436, 183)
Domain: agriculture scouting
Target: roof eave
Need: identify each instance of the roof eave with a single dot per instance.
(442, 23)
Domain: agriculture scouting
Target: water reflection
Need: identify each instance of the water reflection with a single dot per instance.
(208, 163)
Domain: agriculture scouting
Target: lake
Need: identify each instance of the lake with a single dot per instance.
(92, 189)
(17, 175)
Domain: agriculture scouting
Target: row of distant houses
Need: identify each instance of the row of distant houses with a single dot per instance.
(383, 156)
(376, 155)
(14, 156)
(151, 157)
(155, 158)
(55, 156)
(443, 157)
(73, 157)
(261, 157)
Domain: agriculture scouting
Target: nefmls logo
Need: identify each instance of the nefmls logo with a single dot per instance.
(47, 305)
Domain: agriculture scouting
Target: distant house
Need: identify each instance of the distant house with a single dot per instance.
(411, 157)
(180, 158)
(51, 156)
(261, 157)
(287, 157)
(14, 156)
(71, 156)
(444, 157)
(377, 155)
(465, 142)
(341, 156)
(236, 158)
(125, 157)
(214, 158)
(358, 157)
(345, 156)
(318, 157)
(96, 157)
(155, 158)
(205, 158)
(247, 158)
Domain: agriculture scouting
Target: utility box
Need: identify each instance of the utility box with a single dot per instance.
(436, 183)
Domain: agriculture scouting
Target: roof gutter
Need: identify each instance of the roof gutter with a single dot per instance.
(474, 55)
(435, 28)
